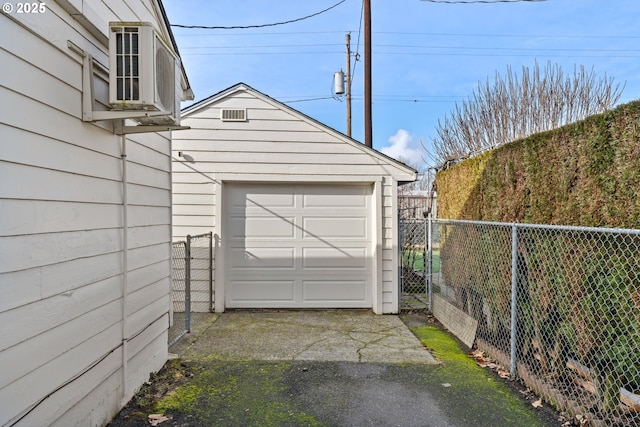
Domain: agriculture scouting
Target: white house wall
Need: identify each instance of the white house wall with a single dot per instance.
(68, 356)
(275, 145)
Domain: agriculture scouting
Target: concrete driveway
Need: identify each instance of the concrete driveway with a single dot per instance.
(322, 336)
(324, 368)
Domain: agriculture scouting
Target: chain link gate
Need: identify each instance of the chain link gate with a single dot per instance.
(414, 265)
(201, 272)
(192, 282)
(180, 293)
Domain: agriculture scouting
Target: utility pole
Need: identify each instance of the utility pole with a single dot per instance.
(348, 40)
(367, 75)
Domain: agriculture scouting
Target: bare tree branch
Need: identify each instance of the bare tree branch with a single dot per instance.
(514, 107)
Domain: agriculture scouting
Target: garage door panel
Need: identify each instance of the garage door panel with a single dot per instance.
(267, 227)
(334, 290)
(270, 201)
(260, 197)
(335, 258)
(263, 290)
(335, 227)
(298, 245)
(261, 258)
(343, 196)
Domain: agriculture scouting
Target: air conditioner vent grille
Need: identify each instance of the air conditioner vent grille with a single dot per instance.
(233, 115)
(165, 76)
(127, 64)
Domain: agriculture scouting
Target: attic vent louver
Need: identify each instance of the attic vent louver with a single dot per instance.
(233, 115)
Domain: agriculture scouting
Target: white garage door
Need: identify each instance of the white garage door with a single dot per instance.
(298, 246)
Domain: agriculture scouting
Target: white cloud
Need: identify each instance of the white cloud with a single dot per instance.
(403, 148)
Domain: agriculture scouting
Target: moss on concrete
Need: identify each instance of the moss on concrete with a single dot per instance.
(471, 385)
(235, 393)
(309, 393)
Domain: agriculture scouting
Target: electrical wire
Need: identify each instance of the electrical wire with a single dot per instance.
(258, 46)
(528, 36)
(410, 33)
(404, 46)
(357, 55)
(307, 99)
(387, 98)
(605, 54)
(481, 1)
(238, 27)
(72, 379)
(81, 373)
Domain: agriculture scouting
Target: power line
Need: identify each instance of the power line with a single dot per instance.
(271, 33)
(379, 99)
(585, 36)
(605, 54)
(308, 99)
(402, 46)
(357, 55)
(527, 36)
(481, 1)
(413, 99)
(238, 27)
(260, 46)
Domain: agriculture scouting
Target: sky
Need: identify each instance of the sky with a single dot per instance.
(426, 56)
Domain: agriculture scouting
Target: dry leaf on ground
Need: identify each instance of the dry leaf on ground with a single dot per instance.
(504, 374)
(155, 419)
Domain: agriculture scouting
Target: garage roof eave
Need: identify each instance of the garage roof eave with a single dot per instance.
(406, 182)
(401, 171)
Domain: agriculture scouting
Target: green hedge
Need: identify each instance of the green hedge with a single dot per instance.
(587, 173)
(577, 298)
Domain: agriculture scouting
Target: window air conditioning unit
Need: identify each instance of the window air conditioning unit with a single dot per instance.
(144, 73)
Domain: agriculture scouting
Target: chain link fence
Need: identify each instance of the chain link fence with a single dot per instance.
(192, 282)
(201, 248)
(180, 294)
(413, 264)
(557, 307)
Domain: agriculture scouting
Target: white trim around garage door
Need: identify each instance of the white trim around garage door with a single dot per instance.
(296, 260)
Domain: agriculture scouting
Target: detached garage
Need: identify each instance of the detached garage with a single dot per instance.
(304, 216)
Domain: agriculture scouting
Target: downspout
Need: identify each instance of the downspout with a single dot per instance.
(125, 266)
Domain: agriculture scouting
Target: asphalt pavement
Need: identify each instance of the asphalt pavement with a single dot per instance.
(333, 368)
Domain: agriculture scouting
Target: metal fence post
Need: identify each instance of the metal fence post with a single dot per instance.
(400, 259)
(514, 296)
(211, 271)
(429, 237)
(187, 282)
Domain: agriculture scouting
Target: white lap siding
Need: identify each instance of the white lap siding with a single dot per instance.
(72, 352)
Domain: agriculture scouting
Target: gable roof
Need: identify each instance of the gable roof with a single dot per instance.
(243, 87)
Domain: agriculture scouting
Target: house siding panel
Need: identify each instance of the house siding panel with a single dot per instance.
(99, 403)
(30, 389)
(21, 217)
(62, 227)
(97, 396)
(57, 341)
(21, 287)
